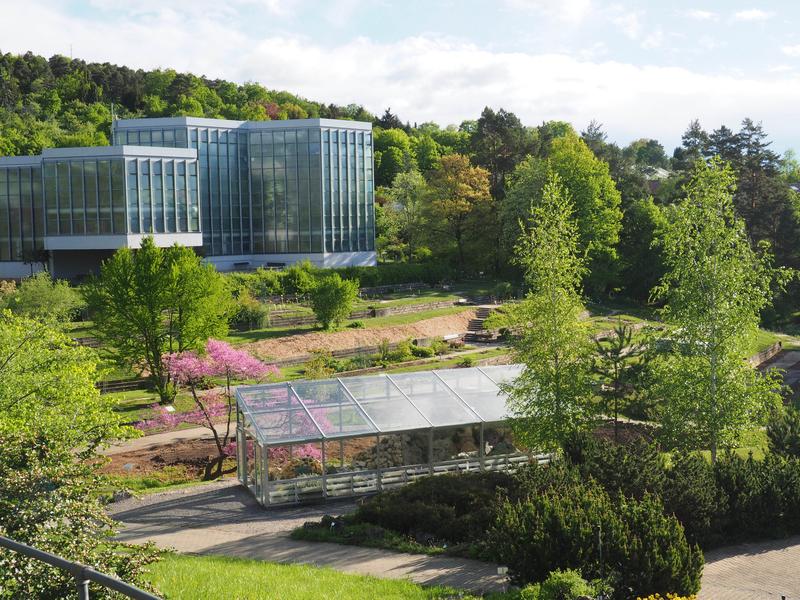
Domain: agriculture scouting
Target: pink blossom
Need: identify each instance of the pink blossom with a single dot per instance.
(186, 368)
(236, 364)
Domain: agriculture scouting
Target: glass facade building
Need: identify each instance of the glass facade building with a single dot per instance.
(243, 193)
(276, 188)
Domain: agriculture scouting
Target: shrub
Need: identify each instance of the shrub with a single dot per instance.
(451, 508)
(356, 325)
(692, 495)
(401, 353)
(643, 549)
(439, 347)
(42, 297)
(754, 501)
(503, 290)
(565, 585)
(422, 351)
(332, 300)
(249, 312)
(783, 432)
(321, 366)
(300, 278)
(265, 282)
(466, 362)
(633, 469)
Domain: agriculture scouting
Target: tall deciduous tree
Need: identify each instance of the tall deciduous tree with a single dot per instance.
(553, 395)
(52, 420)
(714, 288)
(152, 301)
(593, 192)
(460, 200)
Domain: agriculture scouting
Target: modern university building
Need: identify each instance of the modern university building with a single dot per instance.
(242, 193)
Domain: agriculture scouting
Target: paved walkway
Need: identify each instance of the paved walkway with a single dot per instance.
(147, 442)
(758, 571)
(222, 518)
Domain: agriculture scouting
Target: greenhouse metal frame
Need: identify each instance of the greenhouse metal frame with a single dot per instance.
(308, 424)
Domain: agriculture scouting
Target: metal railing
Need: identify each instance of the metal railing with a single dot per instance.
(83, 575)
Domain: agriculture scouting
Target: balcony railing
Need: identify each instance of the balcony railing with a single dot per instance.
(83, 575)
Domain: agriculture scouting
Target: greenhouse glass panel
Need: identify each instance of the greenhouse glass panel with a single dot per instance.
(385, 404)
(332, 408)
(503, 373)
(480, 392)
(440, 405)
(277, 414)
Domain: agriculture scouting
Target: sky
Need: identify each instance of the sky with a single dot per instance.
(642, 69)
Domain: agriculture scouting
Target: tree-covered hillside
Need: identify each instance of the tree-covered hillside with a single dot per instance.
(456, 194)
(60, 102)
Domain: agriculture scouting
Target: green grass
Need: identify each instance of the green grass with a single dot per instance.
(449, 363)
(179, 577)
(135, 404)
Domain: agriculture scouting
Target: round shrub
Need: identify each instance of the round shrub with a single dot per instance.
(644, 550)
(451, 508)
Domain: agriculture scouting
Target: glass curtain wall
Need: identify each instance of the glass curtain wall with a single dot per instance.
(348, 190)
(21, 220)
(278, 191)
(286, 196)
(90, 197)
(162, 196)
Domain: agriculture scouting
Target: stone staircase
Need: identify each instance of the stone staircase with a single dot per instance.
(476, 332)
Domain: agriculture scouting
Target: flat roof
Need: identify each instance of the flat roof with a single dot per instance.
(20, 161)
(314, 410)
(159, 122)
(118, 151)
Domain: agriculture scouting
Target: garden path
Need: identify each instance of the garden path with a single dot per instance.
(222, 518)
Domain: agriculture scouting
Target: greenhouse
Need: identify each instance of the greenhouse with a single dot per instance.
(331, 438)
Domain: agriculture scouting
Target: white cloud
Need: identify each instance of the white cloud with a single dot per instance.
(780, 69)
(629, 23)
(653, 39)
(702, 15)
(752, 14)
(422, 78)
(572, 11)
(793, 51)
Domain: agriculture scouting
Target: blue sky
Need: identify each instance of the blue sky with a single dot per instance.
(643, 69)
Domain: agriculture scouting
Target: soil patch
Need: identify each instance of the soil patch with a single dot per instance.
(304, 343)
(193, 455)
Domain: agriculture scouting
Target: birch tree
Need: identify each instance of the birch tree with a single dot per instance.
(553, 395)
(714, 289)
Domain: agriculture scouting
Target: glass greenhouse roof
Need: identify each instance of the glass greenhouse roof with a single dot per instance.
(323, 409)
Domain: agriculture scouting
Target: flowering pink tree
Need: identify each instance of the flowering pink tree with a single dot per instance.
(214, 407)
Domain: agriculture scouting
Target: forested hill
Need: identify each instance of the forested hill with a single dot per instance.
(454, 195)
(60, 102)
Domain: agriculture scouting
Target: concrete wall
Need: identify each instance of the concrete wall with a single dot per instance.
(75, 265)
(18, 270)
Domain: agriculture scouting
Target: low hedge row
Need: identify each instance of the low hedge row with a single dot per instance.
(301, 278)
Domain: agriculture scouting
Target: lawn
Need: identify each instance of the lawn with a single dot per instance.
(135, 404)
(180, 577)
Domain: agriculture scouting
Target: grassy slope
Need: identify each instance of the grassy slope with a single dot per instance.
(243, 337)
(210, 577)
